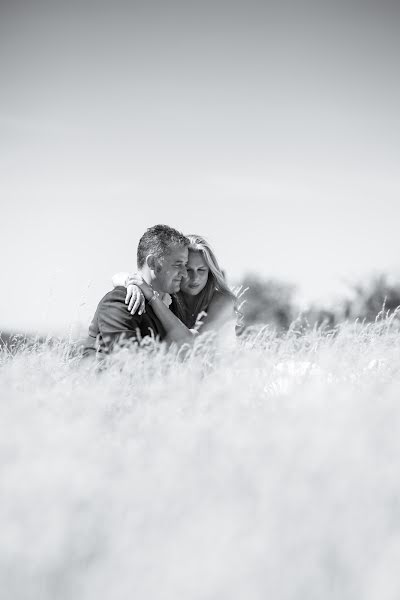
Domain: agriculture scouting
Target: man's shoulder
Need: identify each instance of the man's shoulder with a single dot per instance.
(117, 294)
(114, 300)
(113, 313)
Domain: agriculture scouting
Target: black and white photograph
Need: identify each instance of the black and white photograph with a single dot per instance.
(200, 307)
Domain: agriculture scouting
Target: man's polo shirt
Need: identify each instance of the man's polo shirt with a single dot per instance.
(113, 324)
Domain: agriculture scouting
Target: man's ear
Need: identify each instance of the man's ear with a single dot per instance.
(153, 263)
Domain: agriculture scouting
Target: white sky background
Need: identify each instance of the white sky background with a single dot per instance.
(274, 132)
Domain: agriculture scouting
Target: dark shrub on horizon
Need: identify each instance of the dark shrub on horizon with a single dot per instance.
(267, 301)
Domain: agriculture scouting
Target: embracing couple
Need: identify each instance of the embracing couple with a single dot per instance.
(177, 283)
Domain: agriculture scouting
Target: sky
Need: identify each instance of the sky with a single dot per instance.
(272, 129)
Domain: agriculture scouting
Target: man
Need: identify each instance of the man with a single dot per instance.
(162, 256)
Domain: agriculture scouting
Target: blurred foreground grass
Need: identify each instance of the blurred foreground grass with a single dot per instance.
(268, 468)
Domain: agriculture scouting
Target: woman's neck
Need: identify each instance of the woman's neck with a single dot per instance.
(190, 301)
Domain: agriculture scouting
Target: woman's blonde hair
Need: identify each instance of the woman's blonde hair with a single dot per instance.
(215, 282)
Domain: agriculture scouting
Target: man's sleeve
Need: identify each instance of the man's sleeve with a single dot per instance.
(116, 324)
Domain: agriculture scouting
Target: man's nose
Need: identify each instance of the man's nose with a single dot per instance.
(183, 271)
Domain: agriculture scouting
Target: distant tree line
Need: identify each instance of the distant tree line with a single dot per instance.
(273, 302)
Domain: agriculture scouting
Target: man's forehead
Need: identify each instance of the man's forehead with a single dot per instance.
(178, 253)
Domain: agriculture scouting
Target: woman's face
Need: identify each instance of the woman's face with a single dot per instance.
(197, 274)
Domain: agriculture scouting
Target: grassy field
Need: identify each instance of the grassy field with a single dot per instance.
(265, 469)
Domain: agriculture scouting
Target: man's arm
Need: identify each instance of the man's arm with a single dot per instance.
(176, 330)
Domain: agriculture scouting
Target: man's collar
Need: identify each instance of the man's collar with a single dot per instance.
(166, 298)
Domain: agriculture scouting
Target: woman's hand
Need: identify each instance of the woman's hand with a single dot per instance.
(137, 279)
(137, 291)
(135, 299)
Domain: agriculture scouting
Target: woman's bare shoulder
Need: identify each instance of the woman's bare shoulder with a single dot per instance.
(222, 299)
(221, 310)
(221, 303)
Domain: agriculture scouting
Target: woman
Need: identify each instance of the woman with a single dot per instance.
(204, 302)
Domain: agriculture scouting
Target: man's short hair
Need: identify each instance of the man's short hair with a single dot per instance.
(158, 240)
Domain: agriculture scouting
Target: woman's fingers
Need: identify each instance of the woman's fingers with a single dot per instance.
(142, 308)
(132, 293)
(136, 304)
(129, 291)
(135, 279)
(135, 300)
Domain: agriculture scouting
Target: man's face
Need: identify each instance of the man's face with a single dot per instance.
(172, 269)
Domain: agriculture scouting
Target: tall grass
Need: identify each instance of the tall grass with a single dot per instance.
(262, 469)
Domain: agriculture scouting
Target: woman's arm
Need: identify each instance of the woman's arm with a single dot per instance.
(120, 279)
